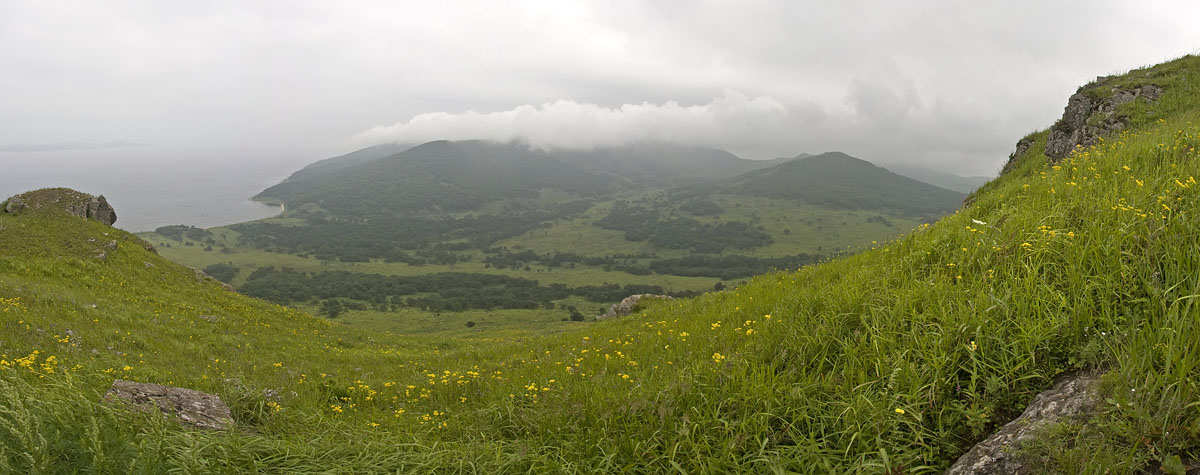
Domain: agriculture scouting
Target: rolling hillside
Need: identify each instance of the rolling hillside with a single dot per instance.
(465, 175)
(437, 176)
(593, 251)
(895, 360)
(837, 180)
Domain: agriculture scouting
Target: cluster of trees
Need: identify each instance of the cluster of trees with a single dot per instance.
(222, 272)
(333, 308)
(701, 207)
(435, 292)
(699, 265)
(502, 258)
(177, 232)
(643, 224)
(393, 238)
(880, 219)
(353, 240)
(729, 267)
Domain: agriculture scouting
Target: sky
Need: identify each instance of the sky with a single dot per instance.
(947, 84)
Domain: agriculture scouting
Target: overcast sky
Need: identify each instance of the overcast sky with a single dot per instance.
(948, 83)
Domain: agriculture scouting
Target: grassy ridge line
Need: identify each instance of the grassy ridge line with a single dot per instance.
(895, 359)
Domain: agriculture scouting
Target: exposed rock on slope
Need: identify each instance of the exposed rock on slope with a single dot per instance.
(1089, 115)
(71, 201)
(194, 408)
(1072, 397)
(630, 305)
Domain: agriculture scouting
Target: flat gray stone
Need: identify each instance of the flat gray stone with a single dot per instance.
(193, 408)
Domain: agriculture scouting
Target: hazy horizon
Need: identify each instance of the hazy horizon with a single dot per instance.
(149, 189)
(935, 84)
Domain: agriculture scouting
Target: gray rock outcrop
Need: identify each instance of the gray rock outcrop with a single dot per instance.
(1072, 396)
(1088, 116)
(193, 408)
(73, 202)
(99, 210)
(629, 305)
(14, 205)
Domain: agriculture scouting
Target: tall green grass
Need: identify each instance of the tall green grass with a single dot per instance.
(893, 360)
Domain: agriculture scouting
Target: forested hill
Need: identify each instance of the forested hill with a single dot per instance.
(452, 176)
(837, 180)
(437, 176)
(664, 164)
(350, 159)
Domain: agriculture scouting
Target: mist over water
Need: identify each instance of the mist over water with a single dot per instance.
(151, 187)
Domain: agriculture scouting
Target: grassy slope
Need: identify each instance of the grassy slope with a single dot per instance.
(796, 227)
(897, 358)
(811, 229)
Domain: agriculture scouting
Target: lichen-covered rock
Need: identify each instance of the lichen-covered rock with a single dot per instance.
(1023, 146)
(1088, 117)
(1072, 396)
(64, 199)
(14, 205)
(193, 408)
(629, 305)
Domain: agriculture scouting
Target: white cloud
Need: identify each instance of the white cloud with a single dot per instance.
(957, 85)
(734, 121)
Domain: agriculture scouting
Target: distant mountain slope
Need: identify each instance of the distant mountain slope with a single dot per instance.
(837, 180)
(949, 181)
(662, 163)
(463, 175)
(353, 158)
(445, 176)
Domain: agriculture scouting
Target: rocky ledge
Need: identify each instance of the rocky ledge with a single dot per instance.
(64, 199)
(1091, 113)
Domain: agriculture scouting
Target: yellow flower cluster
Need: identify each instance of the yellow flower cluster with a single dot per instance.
(48, 365)
(14, 303)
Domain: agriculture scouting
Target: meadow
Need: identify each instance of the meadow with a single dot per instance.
(893, 360)
(794, 228)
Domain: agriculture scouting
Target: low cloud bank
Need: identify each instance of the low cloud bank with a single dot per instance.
(731, 121)
(881, 118)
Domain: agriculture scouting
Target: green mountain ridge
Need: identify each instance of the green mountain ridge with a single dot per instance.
(446, 176)
(509, 207)
(350, 159)
(462, 175)
(837, 180)
(449, 176)
(895, 360)
(939, 178)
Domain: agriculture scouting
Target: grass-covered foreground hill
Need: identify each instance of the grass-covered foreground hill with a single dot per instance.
(895, 360)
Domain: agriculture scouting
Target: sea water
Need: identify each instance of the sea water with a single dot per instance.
(151, 187)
